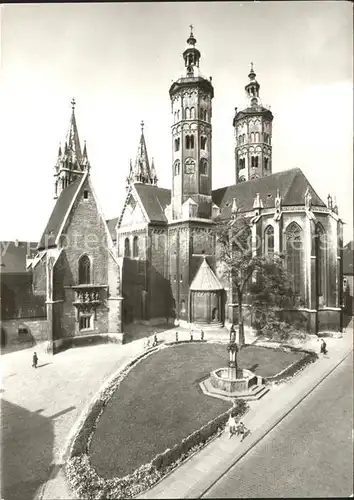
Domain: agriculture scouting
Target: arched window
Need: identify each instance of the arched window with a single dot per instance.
(241, 163)
(136, 246)
(293, 245)
(266, 160)
(321, 258)
(269, 240)
(252, 136)
(126, 247)
(84, 270)
(257, 136)
(192, 113)
(254, 161)
(203, 167)
(177, 143)
(177, 167)
(203, 142)
(189, 141)
(187, 114)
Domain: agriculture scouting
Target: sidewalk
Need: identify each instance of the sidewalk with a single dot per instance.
(201, 471)
(75, 376)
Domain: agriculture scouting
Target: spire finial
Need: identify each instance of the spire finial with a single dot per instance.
(73, 103)
(252, 67)
(191, 27)
(142, 126)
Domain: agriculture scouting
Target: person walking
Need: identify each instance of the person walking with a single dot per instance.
(323, 347)
(34, 360)
(242, 430)
(231, 425)
(155, 340)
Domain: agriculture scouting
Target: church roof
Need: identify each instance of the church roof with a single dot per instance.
(59, 212)
(205, 279)
(13, 255)
(292, 185)
(155, 200)
(111, 224)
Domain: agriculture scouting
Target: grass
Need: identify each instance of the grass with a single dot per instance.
(159, 403)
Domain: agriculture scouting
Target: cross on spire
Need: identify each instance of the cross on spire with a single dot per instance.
(191, 27)
(252, 66)
(73, 103)
(142, 125)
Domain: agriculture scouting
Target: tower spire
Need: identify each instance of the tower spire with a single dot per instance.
(71, 162)
(191, 55)
(141, 173)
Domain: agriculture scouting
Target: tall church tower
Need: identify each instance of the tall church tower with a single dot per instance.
(72, 162)
(191, 97)
(253, 135)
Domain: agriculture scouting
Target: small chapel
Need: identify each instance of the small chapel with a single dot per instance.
(156, 261)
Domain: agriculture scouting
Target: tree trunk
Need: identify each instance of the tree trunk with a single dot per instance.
(241, 330)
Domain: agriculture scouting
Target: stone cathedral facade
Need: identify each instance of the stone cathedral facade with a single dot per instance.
(157, 260)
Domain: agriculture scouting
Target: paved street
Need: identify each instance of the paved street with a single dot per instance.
(309, 454)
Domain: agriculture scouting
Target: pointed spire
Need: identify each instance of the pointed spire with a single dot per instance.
(142, 172)
(72, 138)
(85, 164)
(252, 88)
(153, 172)
(59, 150)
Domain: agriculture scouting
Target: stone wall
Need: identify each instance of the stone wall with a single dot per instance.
(37, 332)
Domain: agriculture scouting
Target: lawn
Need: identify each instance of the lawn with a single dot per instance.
(160, 402)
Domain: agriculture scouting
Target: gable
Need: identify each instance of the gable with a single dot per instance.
(132, 213)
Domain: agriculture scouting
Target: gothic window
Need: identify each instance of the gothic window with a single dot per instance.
(177, 143)
(266, 160)
(257, 136)
(321, 254)
(84, 270)
(203, 166)
(135, 246)
(241, 163)
(192, 113)
(254, 161)
(294, 244)
(177, 167)
(189, 141)
(126, 247)
(187, 114)
(269, 240)
(203, 142)
(252, 136)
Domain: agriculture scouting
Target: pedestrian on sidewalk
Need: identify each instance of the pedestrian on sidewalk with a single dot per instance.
(34, 360)
(231, 425)
(202, 335)
(154, 344)
(176, 336)
(147, 342)
(242, 430)
(323, 347)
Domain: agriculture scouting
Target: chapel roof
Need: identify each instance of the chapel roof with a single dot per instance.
(59, 212)
(205, 279)
(292, 185)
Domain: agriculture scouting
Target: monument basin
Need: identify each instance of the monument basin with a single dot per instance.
(226, 380)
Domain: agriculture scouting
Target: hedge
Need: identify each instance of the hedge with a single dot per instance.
(85, 480)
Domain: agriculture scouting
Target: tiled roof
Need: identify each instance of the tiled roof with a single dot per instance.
(348, 257)
(205, 279)
(13, 255)
(154, 200)
(292, 185)
(59, 211)
(111, 223)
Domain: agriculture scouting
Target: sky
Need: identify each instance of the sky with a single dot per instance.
(119, 59)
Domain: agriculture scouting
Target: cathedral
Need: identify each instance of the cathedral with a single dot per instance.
(156, 261)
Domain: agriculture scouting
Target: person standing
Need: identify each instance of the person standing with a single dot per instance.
(34, 360)
(232, 425)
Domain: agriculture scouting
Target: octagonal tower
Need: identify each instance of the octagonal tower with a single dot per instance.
(191, 97)
(253, 135)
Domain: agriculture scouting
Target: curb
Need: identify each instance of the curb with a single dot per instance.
(262, 434)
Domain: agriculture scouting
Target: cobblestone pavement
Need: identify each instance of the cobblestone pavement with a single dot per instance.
(41, 406)
(308, 454)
